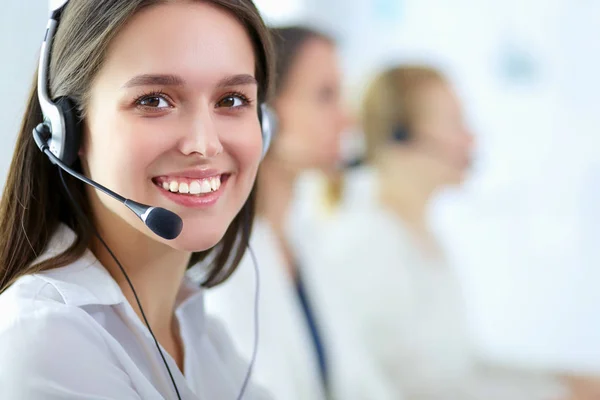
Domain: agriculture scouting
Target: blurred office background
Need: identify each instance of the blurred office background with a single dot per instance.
(524, 231)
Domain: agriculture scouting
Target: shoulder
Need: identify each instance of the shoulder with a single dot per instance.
(26, 299)
(54, 350)
(37, 320)
(361, 217)
(55, 291)
(44, 339)
(369, 229)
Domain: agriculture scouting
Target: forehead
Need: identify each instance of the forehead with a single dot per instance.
(193, 39)
(316, 60)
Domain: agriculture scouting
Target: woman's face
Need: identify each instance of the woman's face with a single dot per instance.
(440, 131)
(309, 108)
(172, 121)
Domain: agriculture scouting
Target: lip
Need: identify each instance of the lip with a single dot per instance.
(195, 201)
(194, 174)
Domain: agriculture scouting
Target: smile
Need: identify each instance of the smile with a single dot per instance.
(192, 192)
(189, 186)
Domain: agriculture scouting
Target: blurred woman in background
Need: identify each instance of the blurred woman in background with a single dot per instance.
(383, 269)
(291, 360)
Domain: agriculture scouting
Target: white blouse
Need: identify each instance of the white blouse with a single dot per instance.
(286, 362)
(405, 307)
(70, 333)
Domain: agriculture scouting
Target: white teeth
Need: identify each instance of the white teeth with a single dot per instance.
(184, 188)
(195, 187)
(205, 186)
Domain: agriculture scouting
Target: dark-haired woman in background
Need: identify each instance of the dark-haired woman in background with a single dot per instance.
(292, 359)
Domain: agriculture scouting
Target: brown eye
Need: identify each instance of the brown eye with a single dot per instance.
(232, 101)
(153, 102)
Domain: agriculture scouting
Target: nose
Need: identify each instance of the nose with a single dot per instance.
(201, 136)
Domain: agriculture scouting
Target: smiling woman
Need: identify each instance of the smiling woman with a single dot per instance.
(166, 97)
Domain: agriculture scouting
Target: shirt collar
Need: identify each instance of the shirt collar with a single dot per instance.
(87, 282)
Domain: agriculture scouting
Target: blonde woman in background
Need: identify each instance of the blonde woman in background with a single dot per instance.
(382, 269)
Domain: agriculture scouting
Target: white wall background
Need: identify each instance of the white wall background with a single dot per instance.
(22, 26)
(524, 232)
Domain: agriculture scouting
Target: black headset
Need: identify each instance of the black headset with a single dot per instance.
(58, 136)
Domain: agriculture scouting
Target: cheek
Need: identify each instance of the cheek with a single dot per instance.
(450, 149)
(120, 148)
(452, 142)
(326, 128)
(244, 146)
(310, 135)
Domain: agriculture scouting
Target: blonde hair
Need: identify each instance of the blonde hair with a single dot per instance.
(391, 101)
(334, 192)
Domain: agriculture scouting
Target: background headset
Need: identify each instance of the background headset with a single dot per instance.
(58, 136)
(400, 134)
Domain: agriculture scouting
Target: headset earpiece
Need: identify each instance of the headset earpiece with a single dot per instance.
(71, 129)
(268, 124)
(60, 130)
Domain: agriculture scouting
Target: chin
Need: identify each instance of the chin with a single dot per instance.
(459, 179)
(195, 239)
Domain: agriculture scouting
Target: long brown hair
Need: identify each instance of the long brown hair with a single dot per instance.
(34, 202)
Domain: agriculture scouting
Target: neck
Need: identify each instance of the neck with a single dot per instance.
(275, 193)
(407, 201)
(406, 190)
(155, 270)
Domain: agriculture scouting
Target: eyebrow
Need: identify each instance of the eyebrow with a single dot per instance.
(150, 79)
(174, 80)
(237, 80)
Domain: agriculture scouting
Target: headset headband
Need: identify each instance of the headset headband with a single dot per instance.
(60, 116)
